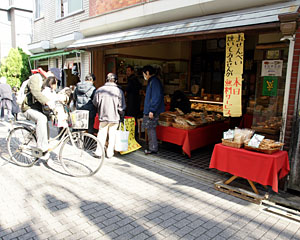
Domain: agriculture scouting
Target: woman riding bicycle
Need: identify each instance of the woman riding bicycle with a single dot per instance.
(32, 109)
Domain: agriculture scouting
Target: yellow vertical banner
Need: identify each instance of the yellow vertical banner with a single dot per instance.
(132, 143)
(232, 98)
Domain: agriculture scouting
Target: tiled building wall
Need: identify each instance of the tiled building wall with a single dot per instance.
(103, 6)
(48, 27)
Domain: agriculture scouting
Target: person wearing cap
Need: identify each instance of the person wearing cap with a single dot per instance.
(32, 107)
(5, 99)
(110, 103)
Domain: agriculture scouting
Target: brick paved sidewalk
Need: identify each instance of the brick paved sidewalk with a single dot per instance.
(126, 199)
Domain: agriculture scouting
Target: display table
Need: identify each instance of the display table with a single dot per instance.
(194, 138)
(262, 168)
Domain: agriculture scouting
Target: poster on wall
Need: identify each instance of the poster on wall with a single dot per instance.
(232, 95)
(270, 86)
(271, 68)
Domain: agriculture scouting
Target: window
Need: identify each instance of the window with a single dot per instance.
(67, 7)
(38, 9)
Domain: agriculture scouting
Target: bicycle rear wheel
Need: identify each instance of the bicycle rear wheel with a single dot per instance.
(79, 160)
(19, 143)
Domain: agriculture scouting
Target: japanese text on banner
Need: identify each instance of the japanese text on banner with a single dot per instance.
(232, 98)
(232, 103)
(234, 54)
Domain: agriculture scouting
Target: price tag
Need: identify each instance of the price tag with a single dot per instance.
(255, 140)
(229, 134)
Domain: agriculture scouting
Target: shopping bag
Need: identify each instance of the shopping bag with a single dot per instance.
(121, 142)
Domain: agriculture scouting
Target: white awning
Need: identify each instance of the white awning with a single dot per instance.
(247, 17)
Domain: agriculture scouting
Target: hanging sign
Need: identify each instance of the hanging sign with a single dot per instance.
(234, 54)
(271, 68)
(270, 86)
(232, 96)
(232, 100)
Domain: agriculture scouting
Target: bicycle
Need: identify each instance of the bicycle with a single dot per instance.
(76, 154)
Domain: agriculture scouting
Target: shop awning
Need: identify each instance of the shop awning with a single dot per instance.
(51, 54)
(253, 16)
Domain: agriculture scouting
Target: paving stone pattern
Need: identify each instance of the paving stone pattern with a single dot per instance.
(126, 199)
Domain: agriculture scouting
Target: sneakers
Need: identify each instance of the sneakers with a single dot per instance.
(149, 152)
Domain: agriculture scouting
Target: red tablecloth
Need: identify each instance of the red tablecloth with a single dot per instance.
(257, 167)
(192, 139)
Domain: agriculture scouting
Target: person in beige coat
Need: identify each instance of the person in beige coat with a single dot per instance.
(32, 109)
(110, 103)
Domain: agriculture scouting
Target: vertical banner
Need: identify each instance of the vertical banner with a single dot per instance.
(232, 98)
(232, 103)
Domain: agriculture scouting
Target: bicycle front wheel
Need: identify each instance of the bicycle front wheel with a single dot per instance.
(19, 143)
(80, 160)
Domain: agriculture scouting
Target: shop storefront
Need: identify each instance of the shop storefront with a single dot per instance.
(190, 56)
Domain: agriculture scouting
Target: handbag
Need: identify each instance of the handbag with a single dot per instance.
(121, 140)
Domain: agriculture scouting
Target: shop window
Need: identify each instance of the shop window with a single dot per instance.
(267, 103)
(38, 9)
(67, 7)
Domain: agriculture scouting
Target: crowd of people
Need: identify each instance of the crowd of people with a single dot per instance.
(108, 101)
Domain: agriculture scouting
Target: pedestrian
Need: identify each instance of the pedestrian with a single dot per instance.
(110, 103)
(83, 97)
(15, 105)
(32, 107)
(132, 93)
(6, 99)
(153, 106)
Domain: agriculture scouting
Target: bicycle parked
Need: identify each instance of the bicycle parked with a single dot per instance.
(77, 151)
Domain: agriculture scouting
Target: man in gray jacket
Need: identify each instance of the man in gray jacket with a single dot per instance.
(110, 103)
(83, 96)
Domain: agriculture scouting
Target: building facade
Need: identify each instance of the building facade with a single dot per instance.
(15, 25)
(55, 27)
(186, 40)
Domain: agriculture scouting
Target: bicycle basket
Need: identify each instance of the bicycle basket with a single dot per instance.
(80, 119)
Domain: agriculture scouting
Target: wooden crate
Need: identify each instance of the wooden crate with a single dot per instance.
(239, 192)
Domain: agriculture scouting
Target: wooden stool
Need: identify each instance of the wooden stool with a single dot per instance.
(145, 138)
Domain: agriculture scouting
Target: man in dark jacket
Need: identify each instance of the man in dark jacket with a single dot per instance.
(83, 96)
(132, 93)
(153, 106)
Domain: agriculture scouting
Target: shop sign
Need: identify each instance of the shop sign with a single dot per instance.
(270, 86)
(256, 140)
(232, 96)
(271, 68)
(232, 103)
(234, 54)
